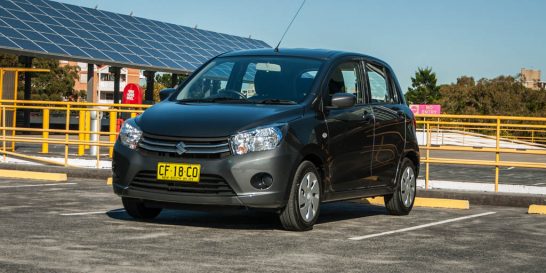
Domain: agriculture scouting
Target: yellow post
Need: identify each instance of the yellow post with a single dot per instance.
(4, 131)
(81, 136)
(45, 133)
(133, 114)
(66, 135)
(532, 136)
(437, 130)
(497, 155)
(3, 114)
(14, 118)
(113, 129)
(427, 165)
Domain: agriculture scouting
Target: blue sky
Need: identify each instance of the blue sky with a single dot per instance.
(479, 38)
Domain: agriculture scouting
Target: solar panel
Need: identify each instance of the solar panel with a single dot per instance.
(46, 28)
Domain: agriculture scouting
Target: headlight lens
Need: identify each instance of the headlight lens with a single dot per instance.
(259, 139)
(130, 134)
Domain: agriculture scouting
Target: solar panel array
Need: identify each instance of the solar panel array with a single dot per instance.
(52, 29)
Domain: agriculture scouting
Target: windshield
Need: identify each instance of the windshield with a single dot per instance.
(252, 79)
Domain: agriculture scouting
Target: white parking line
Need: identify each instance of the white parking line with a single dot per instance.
(539, 184)
(510, 168)
(37, 185)
(92, 212)
(421, 226)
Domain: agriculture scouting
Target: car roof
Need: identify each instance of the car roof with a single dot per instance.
(324, 54)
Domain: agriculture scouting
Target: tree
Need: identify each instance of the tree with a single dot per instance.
(56, 85)
(9, 60)
(165, 79)
(504, 95)
(423, 88)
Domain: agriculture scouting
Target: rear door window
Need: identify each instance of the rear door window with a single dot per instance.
(379, 84)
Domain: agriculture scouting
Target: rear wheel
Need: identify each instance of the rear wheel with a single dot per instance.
(401, 201)
(302, 210)
(136, 209)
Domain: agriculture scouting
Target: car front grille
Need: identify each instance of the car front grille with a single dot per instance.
(208, 184)
(192, 147)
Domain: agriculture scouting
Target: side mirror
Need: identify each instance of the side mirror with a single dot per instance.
(343, 100)
(165, 93)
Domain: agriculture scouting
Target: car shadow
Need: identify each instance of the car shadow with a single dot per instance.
(250, 219)
(340, 211)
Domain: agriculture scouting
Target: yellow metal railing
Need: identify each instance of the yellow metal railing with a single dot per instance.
(522, 135)
(45, 136)
(502, 135)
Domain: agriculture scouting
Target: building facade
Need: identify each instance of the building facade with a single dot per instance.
(531, 79)
(104, 80)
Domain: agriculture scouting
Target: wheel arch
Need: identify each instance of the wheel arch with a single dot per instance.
(313, 154)
(415, 158)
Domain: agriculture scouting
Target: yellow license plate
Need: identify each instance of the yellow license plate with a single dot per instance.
(178, 172)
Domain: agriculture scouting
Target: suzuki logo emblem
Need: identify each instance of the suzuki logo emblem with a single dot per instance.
(181, 148)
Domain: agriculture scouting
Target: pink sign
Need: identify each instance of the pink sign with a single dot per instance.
(433, 109)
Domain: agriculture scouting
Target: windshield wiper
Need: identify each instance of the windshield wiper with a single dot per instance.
(276, 101)
(219, 99)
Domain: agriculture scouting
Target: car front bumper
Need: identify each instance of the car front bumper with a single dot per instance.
(235, 171)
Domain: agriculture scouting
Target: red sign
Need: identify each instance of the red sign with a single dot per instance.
(132, 94)
(433, 109)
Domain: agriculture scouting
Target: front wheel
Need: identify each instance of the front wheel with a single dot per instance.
(136, 209)
(302, 210)
(401, 201)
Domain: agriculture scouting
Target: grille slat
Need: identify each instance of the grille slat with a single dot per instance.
(194, 147)
(208, 184)
(157, 149)
(157, 143)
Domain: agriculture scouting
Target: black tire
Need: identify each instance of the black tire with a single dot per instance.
(395, 202)
(291, 217)
(136, 209)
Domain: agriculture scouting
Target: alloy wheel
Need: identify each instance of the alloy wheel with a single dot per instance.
(309, 196)
(407, 187)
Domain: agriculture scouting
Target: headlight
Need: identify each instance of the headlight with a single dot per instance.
(259, 139)
(130, 134)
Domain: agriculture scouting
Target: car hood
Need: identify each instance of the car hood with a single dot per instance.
(212, 119)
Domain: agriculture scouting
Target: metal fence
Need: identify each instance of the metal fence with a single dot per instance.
(441, 134)
(87, 136)
(471, 134)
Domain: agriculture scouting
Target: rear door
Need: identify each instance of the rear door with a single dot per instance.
(389, 123)
(350, 130)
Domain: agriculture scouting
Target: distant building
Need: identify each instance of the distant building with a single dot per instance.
(531, 79)
(104, 80)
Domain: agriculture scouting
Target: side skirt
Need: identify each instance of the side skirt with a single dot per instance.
(355, 194)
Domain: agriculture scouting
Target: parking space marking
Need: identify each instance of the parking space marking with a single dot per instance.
(92, 212)
(37, 185)
(421, 226)
(58, 177)
(425, 202)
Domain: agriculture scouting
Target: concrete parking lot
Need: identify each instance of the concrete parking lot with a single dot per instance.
(80, 225)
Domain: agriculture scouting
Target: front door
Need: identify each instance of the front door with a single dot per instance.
(350, 130)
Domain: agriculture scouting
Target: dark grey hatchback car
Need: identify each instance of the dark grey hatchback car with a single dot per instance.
(283, 130)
